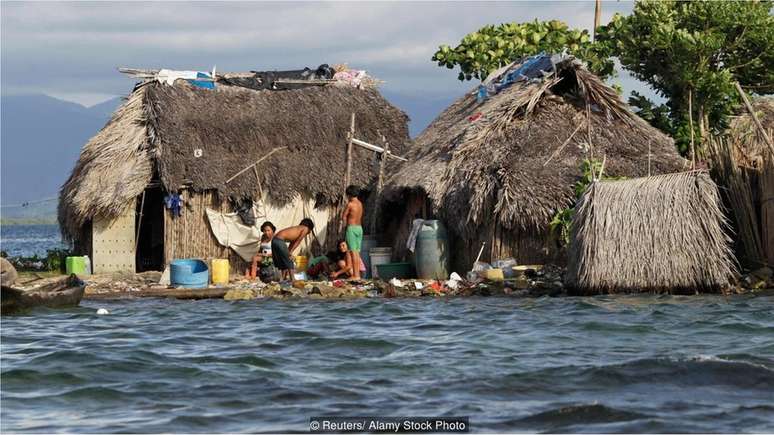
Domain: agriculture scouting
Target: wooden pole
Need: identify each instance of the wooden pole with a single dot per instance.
(597, 16)
(690, 124)
(379, 183)
(348, 174)
(259, 161)
(755, 117)
(348, 177)
(139, 224)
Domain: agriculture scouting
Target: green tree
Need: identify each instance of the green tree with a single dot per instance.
(694, 50)
(492, 47)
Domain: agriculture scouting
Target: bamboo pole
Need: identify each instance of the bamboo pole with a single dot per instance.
(755, 117)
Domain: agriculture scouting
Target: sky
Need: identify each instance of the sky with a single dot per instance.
(71, 50)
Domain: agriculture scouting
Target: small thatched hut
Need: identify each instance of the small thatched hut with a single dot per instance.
(183, 138)
(664, 233)
(497, 171)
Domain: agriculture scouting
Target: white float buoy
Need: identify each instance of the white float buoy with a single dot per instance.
(102, 311)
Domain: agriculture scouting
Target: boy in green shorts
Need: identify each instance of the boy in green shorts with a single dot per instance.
(353, 216)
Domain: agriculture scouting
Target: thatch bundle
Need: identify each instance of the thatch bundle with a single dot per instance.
(514, 157)
(185, 136)
(656, 234)
(743, 163)
(748, 147)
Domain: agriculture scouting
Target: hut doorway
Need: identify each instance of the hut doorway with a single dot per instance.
(150, 226)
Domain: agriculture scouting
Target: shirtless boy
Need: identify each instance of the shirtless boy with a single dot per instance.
(281, 252)
(353, 216)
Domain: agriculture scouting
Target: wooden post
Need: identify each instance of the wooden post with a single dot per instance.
(690, 124)
(139, 225)
(755, 117)
(379, 183)
(348, 177)
(597, 16)
(348, 174)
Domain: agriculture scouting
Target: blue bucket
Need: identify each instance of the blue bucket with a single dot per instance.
(189, 273)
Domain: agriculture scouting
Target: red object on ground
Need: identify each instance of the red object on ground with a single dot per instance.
(475, 117)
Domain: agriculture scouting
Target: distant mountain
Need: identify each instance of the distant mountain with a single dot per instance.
(41, 139)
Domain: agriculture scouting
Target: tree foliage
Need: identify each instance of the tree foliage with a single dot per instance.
(492, 47)
(696, 48)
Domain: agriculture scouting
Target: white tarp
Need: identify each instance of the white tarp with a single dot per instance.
(246, 241)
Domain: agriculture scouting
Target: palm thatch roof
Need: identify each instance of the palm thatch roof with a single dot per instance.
(657, 234)
(186, 136)
(514, 157)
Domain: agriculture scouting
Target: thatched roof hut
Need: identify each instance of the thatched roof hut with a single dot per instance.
(663, 233)
(194, 139)
(498, 170)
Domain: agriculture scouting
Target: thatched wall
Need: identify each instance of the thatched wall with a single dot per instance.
(513, 159)
(190, 236)
(160, 128)
(656, 234)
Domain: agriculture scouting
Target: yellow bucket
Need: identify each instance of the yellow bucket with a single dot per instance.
(495, 275)
(301, 262)
(220, 270)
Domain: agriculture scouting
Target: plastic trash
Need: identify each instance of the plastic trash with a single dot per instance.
(397, 283)
(481, 266)
(455, 277)
(505, 263)
(453, 284)
(102, 311)
(418, 285)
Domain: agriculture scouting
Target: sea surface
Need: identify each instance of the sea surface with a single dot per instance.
(603, 364)
(29, 240)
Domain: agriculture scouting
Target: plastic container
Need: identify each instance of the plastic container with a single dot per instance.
(87, 264)
(432, 252)
(76, 265)
(495, 275)
(189, 273)
(389, 271)
(369, 242)
(220, 271)
(302, 262)
(379, 256)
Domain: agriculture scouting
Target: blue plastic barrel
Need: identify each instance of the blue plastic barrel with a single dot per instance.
(189, 273)
(431, 253)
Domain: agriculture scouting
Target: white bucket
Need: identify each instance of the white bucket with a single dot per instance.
(379, 256)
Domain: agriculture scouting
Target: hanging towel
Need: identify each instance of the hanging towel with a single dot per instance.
(416, 225)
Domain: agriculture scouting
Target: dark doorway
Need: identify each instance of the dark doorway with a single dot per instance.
(150, 224)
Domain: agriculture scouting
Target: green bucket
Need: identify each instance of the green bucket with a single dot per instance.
(76, 265)
(395, 270)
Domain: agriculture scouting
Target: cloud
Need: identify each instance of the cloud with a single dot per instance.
(70, 47)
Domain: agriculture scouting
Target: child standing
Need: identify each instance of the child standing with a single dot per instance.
(353, 216)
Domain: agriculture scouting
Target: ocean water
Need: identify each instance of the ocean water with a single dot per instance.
(603, 364)
(29, 240)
